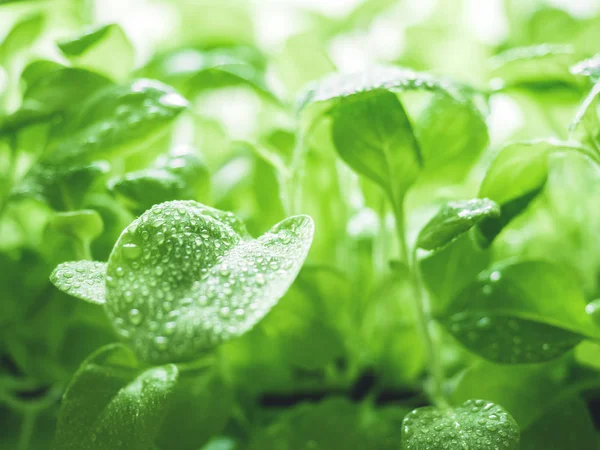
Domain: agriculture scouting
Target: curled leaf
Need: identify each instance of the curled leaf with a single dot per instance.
(453, 220)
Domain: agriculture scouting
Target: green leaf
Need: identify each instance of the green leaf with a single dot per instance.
(586, 120)
(225, 73)
(587, 354)
(185, 277)
(112, 404)
(115, 218)
(195, 71)
(181, 175)
(515, 178)
(302, 312)
(68, 235)
(536, 65)
(389, 329)
(521, 312)
(593, 310)
(337, 86)
(567, 424)
(453, 220)
(82, 279)
(373, 134)
(50, 91)
(303, 59)
(118, 121)
(105, 49)
(63, 188)
(449, 270)
(451, 133)
(199, 408)
(21, 36)
(525, 391)
(475, 424)
(335, 423)
(56, 88)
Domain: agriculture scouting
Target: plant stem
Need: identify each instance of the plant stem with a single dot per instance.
(398, 208)
(424, 321)
(26, 432)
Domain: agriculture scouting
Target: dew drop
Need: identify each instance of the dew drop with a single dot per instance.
(135, 316)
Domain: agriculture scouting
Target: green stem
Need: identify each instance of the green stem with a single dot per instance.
(424, 320)
(10, 179)
(398, 208)
(26, 433)
(424, 314)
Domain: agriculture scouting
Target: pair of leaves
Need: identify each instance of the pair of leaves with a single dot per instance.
(114, 122)
(521, 312)
(372, 129)
(184, 277)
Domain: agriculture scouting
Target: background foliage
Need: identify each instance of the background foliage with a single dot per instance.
(445, 149)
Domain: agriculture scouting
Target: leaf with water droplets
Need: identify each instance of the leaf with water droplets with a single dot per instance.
(49, 96)
(593, 310)
(113, 403)
(116, 121)
(119, 120)
(453, 220)
(338, 86)
(520, 312)
(185, 277)
(476, 424)
(82, 279)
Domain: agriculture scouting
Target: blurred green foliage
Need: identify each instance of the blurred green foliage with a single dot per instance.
(447, 151)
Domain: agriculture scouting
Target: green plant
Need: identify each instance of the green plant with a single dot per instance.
(432, 278)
